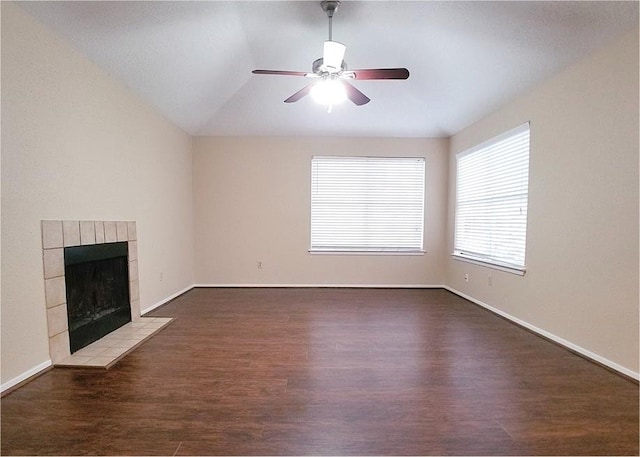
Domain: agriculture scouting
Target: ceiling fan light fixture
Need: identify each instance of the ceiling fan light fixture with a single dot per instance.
(328, 92)
(333, 55)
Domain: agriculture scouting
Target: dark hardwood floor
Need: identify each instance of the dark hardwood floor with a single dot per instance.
(329, 371)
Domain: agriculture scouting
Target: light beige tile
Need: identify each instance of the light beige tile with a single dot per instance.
(153, 325)
(125, 334)
(133, 270)
(121, 231)
(52, 234)
(157, 320)
(125, 344)
(135, 311)
(134, 292)
(57, 319)
(131, 230)
(90, 351)
(75, 360)
(81, 361)
(113, 352)
(71, 233)
(59, 347)
(55, 291)
(99, 227)
(53, 263)
(110, 234)
(87, 232)
(139, 337)
(133, 251)
(101, 361)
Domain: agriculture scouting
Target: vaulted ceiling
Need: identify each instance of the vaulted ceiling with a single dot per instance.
(193, 60)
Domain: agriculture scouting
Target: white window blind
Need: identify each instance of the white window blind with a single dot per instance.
(367, 204)
(491, 200)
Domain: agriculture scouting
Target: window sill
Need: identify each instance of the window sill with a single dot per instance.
(484, 263)
(354, 252)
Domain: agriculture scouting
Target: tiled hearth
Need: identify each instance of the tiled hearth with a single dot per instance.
(56, 235)
(108, 350)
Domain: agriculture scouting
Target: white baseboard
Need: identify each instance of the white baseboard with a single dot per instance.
(26, 375)
(168, 299)
(345, 286)
(568, 344)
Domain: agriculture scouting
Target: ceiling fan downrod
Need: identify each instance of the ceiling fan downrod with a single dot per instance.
(330, 7)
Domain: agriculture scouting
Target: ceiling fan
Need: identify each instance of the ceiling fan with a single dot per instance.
(330, 73)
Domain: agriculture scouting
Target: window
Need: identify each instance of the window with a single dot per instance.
(367, 204)
(491, 201)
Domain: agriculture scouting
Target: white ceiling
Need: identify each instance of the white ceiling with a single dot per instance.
(193, 60)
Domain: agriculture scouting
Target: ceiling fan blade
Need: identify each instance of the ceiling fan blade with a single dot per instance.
(355, 95)
(381, 73)
(279, 72)
(298, 95)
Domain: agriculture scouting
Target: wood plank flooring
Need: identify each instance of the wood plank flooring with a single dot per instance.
(329, 372)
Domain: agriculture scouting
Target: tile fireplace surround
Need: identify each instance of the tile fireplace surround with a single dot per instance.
(56, 235)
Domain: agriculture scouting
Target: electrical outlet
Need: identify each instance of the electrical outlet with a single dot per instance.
(466, 277)
(161, 276)
(490, 280)
(259, 264)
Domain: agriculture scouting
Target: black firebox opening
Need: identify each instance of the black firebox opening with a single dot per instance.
(97, 282)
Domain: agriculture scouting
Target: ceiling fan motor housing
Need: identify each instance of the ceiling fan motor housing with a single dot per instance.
(317, 64)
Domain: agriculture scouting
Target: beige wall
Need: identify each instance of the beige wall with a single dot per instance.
(252, 203)
(77, 146)
(581, 283)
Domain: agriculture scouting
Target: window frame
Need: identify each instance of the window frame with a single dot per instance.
(487, 259)
(362, 250)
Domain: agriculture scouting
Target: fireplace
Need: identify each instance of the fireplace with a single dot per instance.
(66, 246)
(97, 285)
